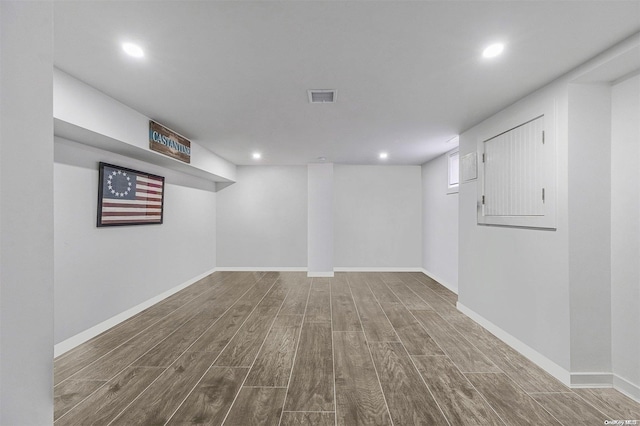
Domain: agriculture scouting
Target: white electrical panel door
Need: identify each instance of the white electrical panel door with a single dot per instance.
(514, 172)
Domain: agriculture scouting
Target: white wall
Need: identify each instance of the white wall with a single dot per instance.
(439, 224)
(517, 278)
(26, 213)
(625, 234)
(377, 216)
(101, 272)
(589, 228)
(262, 218)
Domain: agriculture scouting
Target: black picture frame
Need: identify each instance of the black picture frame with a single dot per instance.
(128, 197)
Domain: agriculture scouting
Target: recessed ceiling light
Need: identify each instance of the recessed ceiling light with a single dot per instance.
(133, 50)
(256, 155)
(383, 155)
(322, 158)
(493, 50)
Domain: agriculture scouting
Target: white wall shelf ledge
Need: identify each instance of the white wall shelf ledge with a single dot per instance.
(88, 116)
(87, 137)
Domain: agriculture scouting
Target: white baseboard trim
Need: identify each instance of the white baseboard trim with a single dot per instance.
(78, 339)
(592, 379)
(304, 269)
(262, 268)
(605, 380)
(319, 274)
(624, 386)
(375, 269)
(440, 280)
(536, 357)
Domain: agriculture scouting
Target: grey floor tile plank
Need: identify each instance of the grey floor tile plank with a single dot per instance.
(273, 365)
(296, 300)
(256, 407)
(374, 322)
(612, 403)
(415, 339)
(570, 409)
(215, 338)
(71, 392)
(343, 309)
(422, 278)
(440, 305)
(466, 356)
(390, 277)
(380, 289)
(319, 305)
(167, 351)
(105, 404)
(244, 346)
(511, 403)
(130, 351)
(159, 401)
(222, 331)
(211, 400)
(308, 419)
(524, 372)
(408, 398)
(82, 356)
(460, 402)
(216, 301)
(407, 296)
(311, 386)
(359, 398)
(287, 320)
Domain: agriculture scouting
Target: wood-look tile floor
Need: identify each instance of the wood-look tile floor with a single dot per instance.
(269, 348)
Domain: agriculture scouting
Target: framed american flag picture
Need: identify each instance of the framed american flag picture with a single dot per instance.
(129, 197)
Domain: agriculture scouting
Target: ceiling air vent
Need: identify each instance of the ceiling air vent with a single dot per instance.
(322, 96)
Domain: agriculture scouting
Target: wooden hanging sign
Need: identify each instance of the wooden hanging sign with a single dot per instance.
(168, 142)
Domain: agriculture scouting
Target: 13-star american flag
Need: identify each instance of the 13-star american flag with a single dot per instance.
(129, 197)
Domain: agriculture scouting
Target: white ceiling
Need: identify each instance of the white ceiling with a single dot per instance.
(233, 76)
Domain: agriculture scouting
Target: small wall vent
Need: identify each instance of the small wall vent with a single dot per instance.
(322, 96)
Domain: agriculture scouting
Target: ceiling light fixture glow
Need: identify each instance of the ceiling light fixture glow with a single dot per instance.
(383, 155)
(256, 156)
(493, 50)
(133, 50)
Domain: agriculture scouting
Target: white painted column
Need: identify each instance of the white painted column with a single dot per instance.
(589, 200)
(26, 213)
(625, 236)
(320, 220)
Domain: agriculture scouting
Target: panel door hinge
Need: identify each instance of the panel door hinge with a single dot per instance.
(483, 200)
(543, 195)
(543, 137)
(483, 157)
